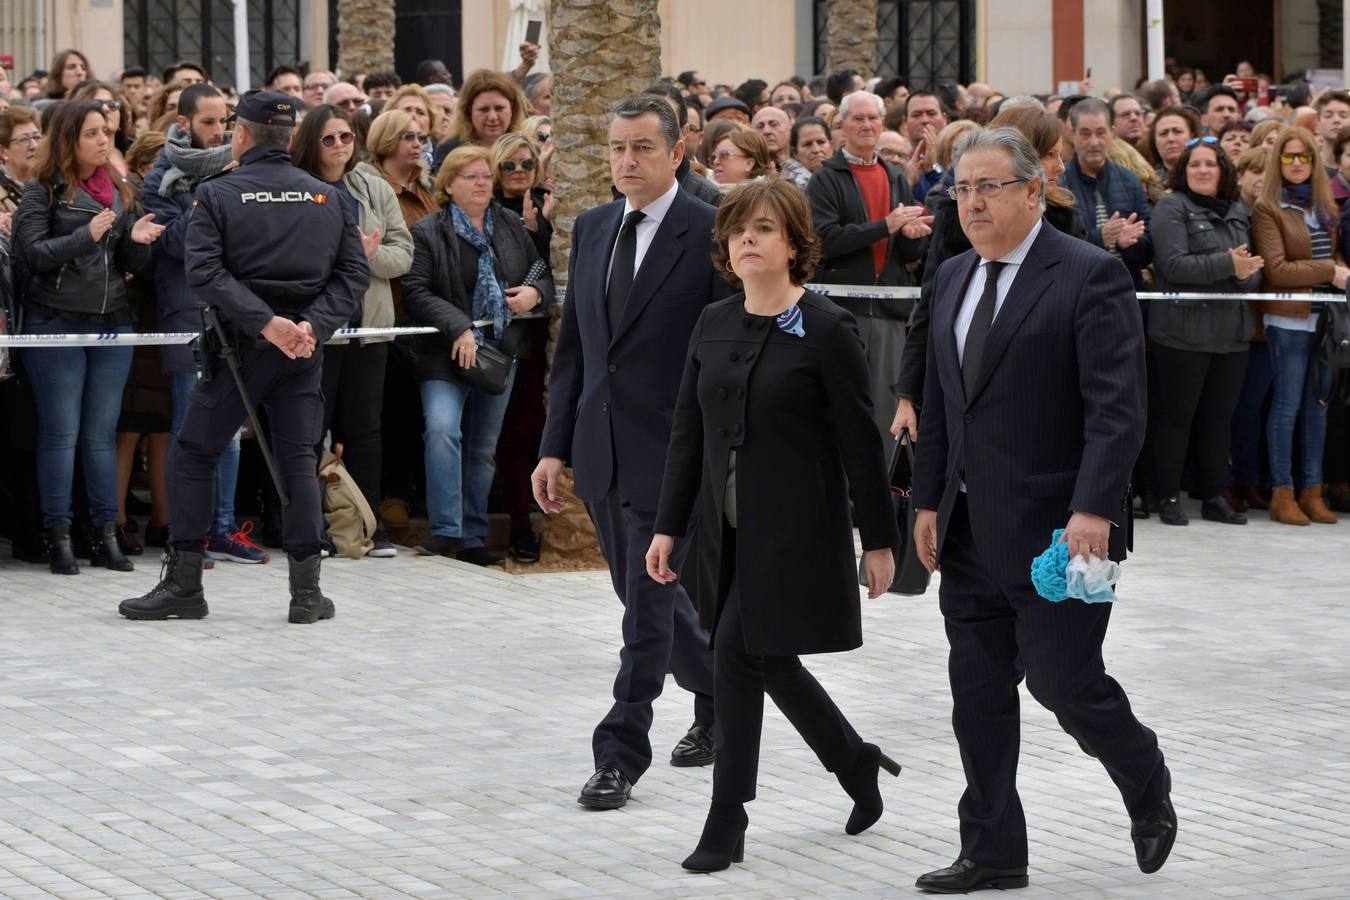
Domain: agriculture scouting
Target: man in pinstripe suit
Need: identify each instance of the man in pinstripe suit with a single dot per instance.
(1033, 415)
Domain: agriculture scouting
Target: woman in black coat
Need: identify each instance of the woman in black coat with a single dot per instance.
(772, 435)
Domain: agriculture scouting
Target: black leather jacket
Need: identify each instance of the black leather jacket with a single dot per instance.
(68, 271)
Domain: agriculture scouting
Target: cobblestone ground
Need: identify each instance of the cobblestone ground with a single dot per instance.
(431, 740)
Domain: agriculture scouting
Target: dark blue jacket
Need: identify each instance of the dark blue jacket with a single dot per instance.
(1123, 193)
(178, 309)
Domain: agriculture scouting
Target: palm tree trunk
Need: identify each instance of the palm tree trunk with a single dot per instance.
(365, 35)
(851, 35)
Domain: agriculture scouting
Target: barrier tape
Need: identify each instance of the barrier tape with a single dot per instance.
(877, 292)
(168, 339)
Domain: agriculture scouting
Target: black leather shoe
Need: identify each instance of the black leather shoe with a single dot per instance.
(697, 748)
(1154, 834)
(308, 604)
(524, 545)
(480, 556)
(608, 788)
(1218, 509)
(966, 875)
(178, 594)
(1171, 512)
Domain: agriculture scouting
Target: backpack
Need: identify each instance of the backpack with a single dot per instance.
(351, 522)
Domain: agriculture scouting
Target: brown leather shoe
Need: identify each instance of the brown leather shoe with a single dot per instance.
(1235, 499)
(1254, 497)
(1310, 501)
(1284, 509)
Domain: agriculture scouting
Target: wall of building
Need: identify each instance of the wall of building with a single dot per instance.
(1299, 22)
(1019, 49)
(1113, 34)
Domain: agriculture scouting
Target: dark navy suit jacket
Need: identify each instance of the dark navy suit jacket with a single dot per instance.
(1056, 419)
(612, 396)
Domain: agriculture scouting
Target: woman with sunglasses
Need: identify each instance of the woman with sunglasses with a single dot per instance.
(471, 263)
(517, 168)
(120, 119)
(1294, 228)
(79, 238)
(353, 374)
(1200, 244)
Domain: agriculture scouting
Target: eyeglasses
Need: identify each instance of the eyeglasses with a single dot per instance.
(1201, 140)
(887, 152)
(350, 103)
(332, 140)
(509, 166)
(25, 138)
(724, 155)
(1289, 159)
(481, 179)
(411, 136)
(109, 104)
(319, 85)
(542, 137)
(985, 189)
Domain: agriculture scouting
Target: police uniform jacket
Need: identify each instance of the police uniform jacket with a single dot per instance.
(798, 414)
(269, 239)
(433, 289)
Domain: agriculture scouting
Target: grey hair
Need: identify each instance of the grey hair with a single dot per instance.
(1091, 106)
(640, 105)
(1021, 100)
(268, 135)
(439, 88)
(1026, 164)
(845, 103)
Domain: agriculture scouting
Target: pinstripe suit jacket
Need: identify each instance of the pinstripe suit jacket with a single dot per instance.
(1056, 418)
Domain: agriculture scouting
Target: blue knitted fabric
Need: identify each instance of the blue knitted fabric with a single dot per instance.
(1047, 570)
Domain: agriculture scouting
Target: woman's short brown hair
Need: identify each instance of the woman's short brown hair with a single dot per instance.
(481, 82)
(12, 118)
(784, 200)
(753, 145)
(145, 150)
(1253, 159)
(458, 158)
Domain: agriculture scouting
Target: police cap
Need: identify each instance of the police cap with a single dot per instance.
(265, 108)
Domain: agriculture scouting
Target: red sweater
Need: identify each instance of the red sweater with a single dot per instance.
(876, 190)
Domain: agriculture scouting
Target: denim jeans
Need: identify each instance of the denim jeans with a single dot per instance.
(227, 471)
(78, 392)
(1301, 384)
(462, 426)
(1246, 432)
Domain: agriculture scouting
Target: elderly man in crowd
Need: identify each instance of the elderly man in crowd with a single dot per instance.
(869, 228)
(776, 128)
(345, 95)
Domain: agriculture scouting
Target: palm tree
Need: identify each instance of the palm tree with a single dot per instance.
(851, 35)
(365, 35)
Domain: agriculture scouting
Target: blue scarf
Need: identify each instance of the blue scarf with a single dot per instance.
(489, 291)
(1301, 196)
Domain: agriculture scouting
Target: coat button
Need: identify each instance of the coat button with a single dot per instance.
(749, 356)
(740, 392)
(613, 368)
(967, 418)
(736, 429)
(604, 407)
(735, 357)
(721, 393)
(721, 432)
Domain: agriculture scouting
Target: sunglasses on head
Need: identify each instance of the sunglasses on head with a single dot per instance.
(109, 104)
(510, 165)
(332, 140)
(417, 136)
(1201, 140)
(1290, 158)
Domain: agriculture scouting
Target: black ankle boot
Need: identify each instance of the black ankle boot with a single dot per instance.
(178, 594)
(723, 839)
(308, 604)
(860, 781)
(107, 552)
(63, 551)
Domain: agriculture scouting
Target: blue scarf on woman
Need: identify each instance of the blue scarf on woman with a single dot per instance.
(489, 291)
(1301, 196)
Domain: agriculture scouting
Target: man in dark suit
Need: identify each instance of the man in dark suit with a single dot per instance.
(640, 273)
(1033, 416)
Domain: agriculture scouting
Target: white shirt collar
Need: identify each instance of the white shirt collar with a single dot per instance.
(1016, 255)
(655, 211)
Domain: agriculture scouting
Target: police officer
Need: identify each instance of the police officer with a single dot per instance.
(280, 303)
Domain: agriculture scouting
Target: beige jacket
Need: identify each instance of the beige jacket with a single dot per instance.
(379, 209)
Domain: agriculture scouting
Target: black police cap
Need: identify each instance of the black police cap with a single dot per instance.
(266, 108)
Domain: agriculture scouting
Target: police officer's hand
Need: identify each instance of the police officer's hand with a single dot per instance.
(465, 349)
(371, 242)
(311, 341)
(286, 336)
(522, 299)
(99, 225)
(145, 230)
(544, 484)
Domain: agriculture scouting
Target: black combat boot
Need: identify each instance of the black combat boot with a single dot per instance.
(63, 551)
(178, 594)
(308, 604)
(107, 552)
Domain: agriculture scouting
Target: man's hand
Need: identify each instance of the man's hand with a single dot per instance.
(930, 136)
(925, 538)
(370, 242)
(914, 165)
(903, 215)
(522, 299)
(658, 559)
(544, 483)
(311, 341)
(906, 419)
(99, 224)
(1111, 230)
(1087, 535)
(880, 568)
(1131, 230)
(528, 213)
(917, 227)
(287, 336)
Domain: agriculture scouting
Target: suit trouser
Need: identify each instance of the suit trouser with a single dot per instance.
(290, 391)
(741, 680)
(661, 634)
(997, 636)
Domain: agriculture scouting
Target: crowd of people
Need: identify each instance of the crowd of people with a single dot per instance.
(1203, 188)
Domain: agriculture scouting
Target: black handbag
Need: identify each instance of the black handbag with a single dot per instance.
(1334, 346)
(911, 578)
(490, 370)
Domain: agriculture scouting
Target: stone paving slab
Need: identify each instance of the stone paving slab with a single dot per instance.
(430, 741)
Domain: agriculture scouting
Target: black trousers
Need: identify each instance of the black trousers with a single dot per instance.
(741, 679)
(660, 634)
(290, 391)
(1197, 393)
(999, 635)
(353, 397)
(1336, 451)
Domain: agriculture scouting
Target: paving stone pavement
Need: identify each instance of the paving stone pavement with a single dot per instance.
(431, 740)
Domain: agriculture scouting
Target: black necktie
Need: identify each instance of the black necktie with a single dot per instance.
(622, 271)
(978, 333)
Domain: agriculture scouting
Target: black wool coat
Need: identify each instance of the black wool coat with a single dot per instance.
(798, 414)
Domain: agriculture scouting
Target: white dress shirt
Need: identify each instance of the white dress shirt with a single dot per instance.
(1012, 263)
(653, 214)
